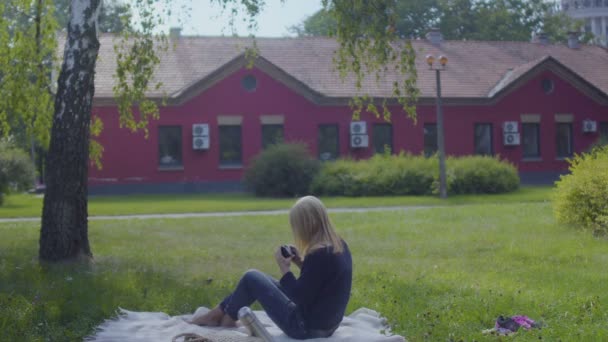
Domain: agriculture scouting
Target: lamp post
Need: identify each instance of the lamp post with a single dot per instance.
(443, 60)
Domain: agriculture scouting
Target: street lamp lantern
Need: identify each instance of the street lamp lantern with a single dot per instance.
(443, 61)
(430, 60)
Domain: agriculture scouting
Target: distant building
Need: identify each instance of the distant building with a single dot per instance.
(533, 104)
(595, 15)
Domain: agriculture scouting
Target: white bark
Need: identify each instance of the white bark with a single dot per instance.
(79, 21)
(64, 230)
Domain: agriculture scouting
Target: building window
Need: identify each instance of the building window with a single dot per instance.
(547, 85)
(483, 139)
(530, 139)
(430, 139)
(230, 145)
(383, 138)
(563, 139)
(328, 142)
(271, 135)
(249, 83)
(169, 146)
(603, 130)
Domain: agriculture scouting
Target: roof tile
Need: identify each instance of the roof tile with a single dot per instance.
(475, 68)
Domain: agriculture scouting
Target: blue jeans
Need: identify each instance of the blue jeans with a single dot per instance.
(255, 285)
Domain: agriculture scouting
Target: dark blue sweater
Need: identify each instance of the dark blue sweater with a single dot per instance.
(323, 288)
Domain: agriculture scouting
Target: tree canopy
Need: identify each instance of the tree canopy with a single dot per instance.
(27, 47)
(28, 44)
(114, 15)
(498, 20)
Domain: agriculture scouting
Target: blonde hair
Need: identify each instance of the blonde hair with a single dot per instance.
(311, 226)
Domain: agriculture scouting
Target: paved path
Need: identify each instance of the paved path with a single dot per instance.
(219, 214)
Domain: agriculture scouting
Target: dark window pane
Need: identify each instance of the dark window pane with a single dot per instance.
(530, 140)
(230, 145)
(563, 140)
(604, 129)
(383, 138)
(328, 142)
(483, 139)
(430, 139)
(271, 134)
(169, 146)
(249, 83)
(547, 86)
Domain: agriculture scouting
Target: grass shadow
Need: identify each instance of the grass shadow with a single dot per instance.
(67, 301)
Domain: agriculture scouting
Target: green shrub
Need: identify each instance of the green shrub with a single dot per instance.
(404, 174)
(281, 170)
(581, 197)
(378, 176)
(334, 178)
(16, 170)
(481, 175)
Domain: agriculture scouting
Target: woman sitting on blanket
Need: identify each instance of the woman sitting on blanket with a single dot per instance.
(310, 306)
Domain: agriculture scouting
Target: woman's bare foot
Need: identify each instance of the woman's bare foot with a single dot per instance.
(228, 322)
(213, 318)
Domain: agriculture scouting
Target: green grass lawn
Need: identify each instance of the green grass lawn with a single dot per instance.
(31, 206)
(437, 274)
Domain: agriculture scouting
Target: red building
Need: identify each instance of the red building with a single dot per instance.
(534, 104)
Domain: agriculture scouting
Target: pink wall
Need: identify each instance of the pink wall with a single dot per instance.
(130, 158)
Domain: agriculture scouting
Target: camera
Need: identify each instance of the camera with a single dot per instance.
(288, 251)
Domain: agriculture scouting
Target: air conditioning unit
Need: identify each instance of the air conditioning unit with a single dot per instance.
(511, 139)
(200, 143)
(589, 126)
(359, 140)
(358, 127)
(509, 127)
(200, 130)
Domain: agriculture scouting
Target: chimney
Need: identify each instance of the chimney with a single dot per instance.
(175, 32)
(573, 41)
(541, 38)
(434, 36)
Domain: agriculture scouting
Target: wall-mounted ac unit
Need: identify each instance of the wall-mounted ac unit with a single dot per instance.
(509, 127)
(358, 127)
(511, 139)
(589, 126)
(200, 143)
(200, 130)
(359, 140)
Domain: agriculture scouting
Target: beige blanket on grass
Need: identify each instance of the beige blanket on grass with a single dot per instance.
(363, 325)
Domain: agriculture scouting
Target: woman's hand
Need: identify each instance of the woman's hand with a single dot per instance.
(296, 259)
(283, 262)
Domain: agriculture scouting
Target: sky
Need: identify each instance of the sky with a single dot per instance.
(205, 19)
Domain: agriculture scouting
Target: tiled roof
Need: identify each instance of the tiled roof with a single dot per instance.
(476, 69)
(513, 74)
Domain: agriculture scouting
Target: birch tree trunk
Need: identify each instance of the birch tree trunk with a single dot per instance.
(64, 231)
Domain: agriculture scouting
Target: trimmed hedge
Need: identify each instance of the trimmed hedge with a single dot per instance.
(581, 197)
(16, 170)
(480, 175)
(281, 170)
(406, 174)
(378, 176)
